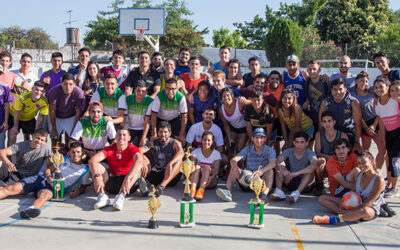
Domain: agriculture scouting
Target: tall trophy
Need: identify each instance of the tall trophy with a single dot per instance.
(153, 204)
(258, 186)
(58, 182)
(187, 167)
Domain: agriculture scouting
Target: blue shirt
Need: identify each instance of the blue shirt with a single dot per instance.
(181, 69)
(217, 66)
(298, 84)
(75, 72)
(200, 106)
(255, 159)
(4, 98)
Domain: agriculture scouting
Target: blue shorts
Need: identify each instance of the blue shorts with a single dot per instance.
(35, 184)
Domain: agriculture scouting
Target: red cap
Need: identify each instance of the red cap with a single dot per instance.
(97, 103)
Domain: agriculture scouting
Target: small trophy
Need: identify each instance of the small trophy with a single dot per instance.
(188, 167)
(258, 186)
(153, 204)
(58, 182)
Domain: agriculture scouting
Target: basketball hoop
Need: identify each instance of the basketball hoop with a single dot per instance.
(139, 33)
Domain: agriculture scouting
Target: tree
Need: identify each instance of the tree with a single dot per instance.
(223, 37)
(356, 23)
(282, 40)
(35, 38)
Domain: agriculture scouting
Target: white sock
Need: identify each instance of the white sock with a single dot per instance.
(31, 207)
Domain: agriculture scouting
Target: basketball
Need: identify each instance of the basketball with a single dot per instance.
(246, 178)
(351, 200)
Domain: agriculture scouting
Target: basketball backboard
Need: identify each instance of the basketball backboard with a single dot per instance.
(150, 19)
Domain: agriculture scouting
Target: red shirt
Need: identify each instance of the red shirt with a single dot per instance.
(333, 167)
(277, 93)
(190, 84)
(120, 162)
(109, 70)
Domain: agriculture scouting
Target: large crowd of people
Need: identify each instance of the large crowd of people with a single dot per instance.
(121, 130)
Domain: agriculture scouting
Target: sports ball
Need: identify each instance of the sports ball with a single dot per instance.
(246, 178)
(351, 200)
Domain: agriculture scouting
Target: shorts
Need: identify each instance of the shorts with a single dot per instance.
(237, 130)
(310, 132)
(114, 184)
(28, 127)
(175, 125)
(369, 123)
(340, 191)
(393, 151)
(64, 125)
(276, 133)
(7, 177)
(295, 183)
(35, 184)
(156, 177)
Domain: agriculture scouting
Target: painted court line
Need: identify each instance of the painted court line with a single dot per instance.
(293, 226)
(16, 220)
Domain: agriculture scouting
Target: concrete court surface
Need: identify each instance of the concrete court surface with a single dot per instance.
(74, 224)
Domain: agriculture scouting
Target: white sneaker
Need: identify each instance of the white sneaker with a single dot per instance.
(224, 194)
(277, 195)
(102, 201)
(119, 202)
(294, 196)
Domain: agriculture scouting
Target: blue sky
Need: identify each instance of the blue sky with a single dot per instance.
(51, 15)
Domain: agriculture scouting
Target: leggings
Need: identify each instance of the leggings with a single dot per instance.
(393, 150)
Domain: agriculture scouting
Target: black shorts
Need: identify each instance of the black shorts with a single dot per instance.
(114, 184)
(237, 130)
(369, 123)
(27, 127)
(295, 183)
(136, 135)
(175, 125)
(7, 177)
(156, 177)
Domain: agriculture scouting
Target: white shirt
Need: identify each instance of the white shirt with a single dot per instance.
(197, 130)
(203, 161)
(19, 77)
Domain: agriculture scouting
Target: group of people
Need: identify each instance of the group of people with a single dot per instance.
(122, 130)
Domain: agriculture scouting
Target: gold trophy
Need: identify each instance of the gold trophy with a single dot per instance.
(58, 182)
(187, 168)
(153, 204)
(258, 186)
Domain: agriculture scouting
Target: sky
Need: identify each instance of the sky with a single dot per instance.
(51, 15)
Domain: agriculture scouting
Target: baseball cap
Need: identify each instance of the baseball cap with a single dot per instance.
(258, 131)
(95, 103)
(292, 58)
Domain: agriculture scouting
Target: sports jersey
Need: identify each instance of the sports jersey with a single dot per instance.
(191, 84)
(169, 109)
(120, 74)
(28, 108)
(94, 137)
(55, 78)
(197, 130)
(342, 113)
(120, 162)
(31, 78)
(298, 84)
(163, 81)
(136, 112)
(8, 78)
(203, 161)
(315, 94)
(111, 105)
(181, 69)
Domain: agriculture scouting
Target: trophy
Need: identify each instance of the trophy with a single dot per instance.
(188, 167)
(58, 182)
(153, 204)
(258, 186)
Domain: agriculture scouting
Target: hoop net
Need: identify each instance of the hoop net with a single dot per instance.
(139, 33)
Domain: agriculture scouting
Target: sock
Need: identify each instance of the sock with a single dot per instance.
(336, 219)
(122, 195)
(31, 207)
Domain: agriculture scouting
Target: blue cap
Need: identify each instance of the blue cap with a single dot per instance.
(259, 131)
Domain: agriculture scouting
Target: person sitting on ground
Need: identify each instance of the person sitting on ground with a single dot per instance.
(253, 157)
(73, 172)
(165, 159)
(370, 185)
(207, 161)
(30, 156)
(123, 175)
(296, 169)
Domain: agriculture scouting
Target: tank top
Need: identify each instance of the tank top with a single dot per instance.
(306, 122)
(298, 84)
(366, 104)
(389, 114)
(327, 146)
(342, 113)
(217, 66)
(364, 193)
(237, 118)
(162, 153)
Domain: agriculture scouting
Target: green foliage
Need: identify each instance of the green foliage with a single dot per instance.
(389, 42)
(35, 38)
(282, 40)
(223, 37)
(175, 38)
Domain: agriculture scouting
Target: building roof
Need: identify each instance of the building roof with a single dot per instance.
(243, 55)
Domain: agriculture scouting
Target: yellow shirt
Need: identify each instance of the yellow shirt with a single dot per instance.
(306, 121)
(28, 108)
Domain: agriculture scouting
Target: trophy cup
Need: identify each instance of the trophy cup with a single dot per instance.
(153, 204)
(58, 182)
(188, 167)
(258, 186)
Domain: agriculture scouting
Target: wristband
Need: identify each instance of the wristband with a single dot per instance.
(96, 175)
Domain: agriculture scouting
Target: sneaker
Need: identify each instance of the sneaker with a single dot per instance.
(294, 196)
(159, 190)
(199, 194)
(119, 202)
(390, 193)
(102, 201)
(144, 191)
(224, 194)
(319, 189)
(30, 213)
(390, 212)
(320, 219)
(278, 195)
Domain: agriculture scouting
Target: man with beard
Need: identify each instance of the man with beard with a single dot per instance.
(165, 154)
(344, 66)
(259, 84)
(294, 78)
(156, 62)
(182, 64)
(94, 130)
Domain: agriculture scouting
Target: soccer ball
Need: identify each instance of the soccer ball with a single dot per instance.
(351, 200)
(246, 178)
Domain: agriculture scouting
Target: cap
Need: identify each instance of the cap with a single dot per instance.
(292, 58)
(95, 103)
(259, 131)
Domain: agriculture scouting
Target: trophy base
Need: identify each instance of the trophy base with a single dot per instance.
(257, 226)
(187, 225)
(58, 200)
(153, 224)
(187, 197)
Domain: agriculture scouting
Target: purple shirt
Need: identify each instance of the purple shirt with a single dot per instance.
(4, 98)
(199, 106)
(55, 79)
(66, 105)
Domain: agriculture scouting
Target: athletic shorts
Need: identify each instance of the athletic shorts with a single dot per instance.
(64, 125)
(369, 123)
(136, 135)
(175, 125)
(295, 183)
(28, 127)
(156, 177)
(114, 184)
(7, 177)
(35, 184)
(237, 130)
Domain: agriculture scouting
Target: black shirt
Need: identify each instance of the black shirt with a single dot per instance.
(258, 120)
(151, 77)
